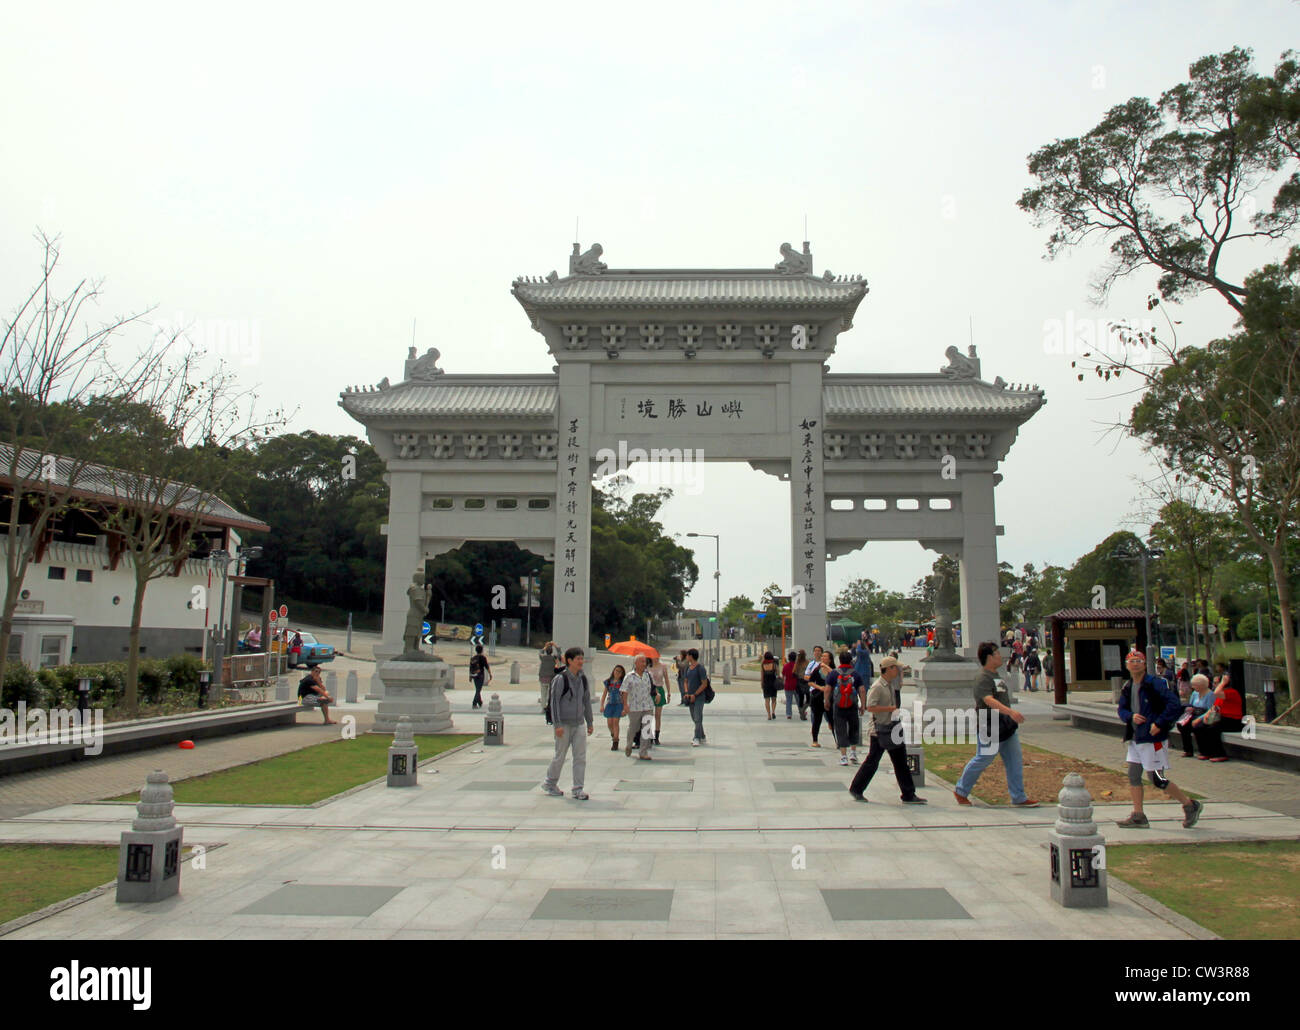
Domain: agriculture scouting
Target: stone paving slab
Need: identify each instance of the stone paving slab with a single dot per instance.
(739, 856)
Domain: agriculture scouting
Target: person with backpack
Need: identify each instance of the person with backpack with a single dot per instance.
(1149, 710)
(848, 698)
(1033, 666)
(480, 673)
(699, 692)
(881, 704)
(570, 707)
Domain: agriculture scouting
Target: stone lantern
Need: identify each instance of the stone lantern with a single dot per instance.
(1078, 851)
(494, 722)
(149, 863)
(403, 755)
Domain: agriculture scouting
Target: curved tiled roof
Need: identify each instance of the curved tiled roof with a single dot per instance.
(452, 397)
(618, 289)
(924, 396)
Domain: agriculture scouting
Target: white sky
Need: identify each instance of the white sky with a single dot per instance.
(324, 175)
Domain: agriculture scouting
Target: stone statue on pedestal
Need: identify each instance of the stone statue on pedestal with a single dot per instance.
(944, 646)
(420, 595)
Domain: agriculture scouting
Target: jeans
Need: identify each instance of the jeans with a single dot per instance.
(848, 726)
(697, 714)
(1012, 759)
(478, 692)
(575, 736)
(880, 743)
(791, 696)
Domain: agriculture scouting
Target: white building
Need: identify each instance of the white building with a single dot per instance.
(76, 598)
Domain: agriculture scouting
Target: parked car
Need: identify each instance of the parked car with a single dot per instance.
(313, 651)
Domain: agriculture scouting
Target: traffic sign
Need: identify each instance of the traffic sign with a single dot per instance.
(424, 628)
(478, 629)
(476, 640)
(273, 616)
(284, 611)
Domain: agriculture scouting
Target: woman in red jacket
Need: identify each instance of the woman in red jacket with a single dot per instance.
(791, 684)
(1230, 712)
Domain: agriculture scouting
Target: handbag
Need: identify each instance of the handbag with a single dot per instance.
(707, 694)
(1211, 716)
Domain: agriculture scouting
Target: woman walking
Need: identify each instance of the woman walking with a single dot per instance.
(659, 678)
(611, 702)
(801, 683)
(817, 697)
(791, 684)
(680, 665)
(768, 668)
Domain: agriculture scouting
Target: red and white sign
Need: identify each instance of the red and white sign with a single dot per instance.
(273, 616)
(284, 611)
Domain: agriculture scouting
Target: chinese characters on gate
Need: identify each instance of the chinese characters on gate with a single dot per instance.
(809, 511)
(573, 461)
(673, 408)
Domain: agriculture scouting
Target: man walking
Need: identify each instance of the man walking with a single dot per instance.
(1148, 719)
(880, 707)
(570, 706)
(697, 684)
(549, 665)
(991, 701)
(638, 700)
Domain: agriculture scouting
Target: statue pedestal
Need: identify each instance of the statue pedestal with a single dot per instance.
(947, 685)
(383, 653)
(414, 689)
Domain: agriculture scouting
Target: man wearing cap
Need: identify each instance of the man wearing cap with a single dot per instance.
(881, 704)
(992, 701)
(1146, 729)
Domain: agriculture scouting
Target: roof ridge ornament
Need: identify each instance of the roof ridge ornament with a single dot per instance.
(588, 263)
(960, 367)
(423, 369)
(794, 263)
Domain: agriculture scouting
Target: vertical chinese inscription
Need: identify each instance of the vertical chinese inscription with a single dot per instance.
(809, 536)
(573, 461)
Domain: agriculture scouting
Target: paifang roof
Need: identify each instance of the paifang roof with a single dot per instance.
(924, 397)
(662, 288)
(452, 397)
(103, 483)
(477, 397)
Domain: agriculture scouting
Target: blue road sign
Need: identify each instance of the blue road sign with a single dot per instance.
(478, 629)
(424, 628)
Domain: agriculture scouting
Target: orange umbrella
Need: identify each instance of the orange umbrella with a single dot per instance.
(633, 647)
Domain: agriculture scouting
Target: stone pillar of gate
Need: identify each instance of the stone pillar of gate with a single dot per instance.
(571, 625)
(980, 612)
(807, 507)
(404, 557)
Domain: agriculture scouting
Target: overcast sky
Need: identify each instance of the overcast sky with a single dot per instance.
(328, 175)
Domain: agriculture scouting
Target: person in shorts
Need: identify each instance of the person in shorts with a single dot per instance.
(311, 686)
(1148, 717)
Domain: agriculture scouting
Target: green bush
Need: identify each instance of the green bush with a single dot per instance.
(183, 672)
(20, 684)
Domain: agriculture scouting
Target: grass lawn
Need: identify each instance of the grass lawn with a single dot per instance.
(1044, 771)
(306, 776)
(1241, 891)
(36, 875)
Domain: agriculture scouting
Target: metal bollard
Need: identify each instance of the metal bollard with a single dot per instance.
(282, 688)
(332, 685)
(1077, 850)
(514, 672)
(351, 689)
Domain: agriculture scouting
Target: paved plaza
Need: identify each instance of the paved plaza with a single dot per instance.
(753, 834)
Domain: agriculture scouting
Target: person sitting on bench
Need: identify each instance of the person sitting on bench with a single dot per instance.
(311, 690)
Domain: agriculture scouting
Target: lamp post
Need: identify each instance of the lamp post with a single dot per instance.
(717, 588)
(528, 638)
(1144, 554)
(224, 558)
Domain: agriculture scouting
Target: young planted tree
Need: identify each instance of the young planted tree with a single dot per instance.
(49, 359)
(162, 482)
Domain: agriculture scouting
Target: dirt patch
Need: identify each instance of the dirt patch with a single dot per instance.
(1044, 771)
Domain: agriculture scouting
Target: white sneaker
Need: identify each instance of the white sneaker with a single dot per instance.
(844, 760)
(853, 755)
(695, 743)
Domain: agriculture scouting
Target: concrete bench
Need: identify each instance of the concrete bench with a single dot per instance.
(1275, 746)
(141, 734)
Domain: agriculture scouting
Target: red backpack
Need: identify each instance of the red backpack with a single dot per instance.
(844, 692)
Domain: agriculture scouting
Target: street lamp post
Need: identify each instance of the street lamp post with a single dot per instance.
(717, 590)
(1144, 554)
(219, 645)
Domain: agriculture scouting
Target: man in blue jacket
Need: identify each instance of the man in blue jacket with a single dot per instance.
(1148, 718)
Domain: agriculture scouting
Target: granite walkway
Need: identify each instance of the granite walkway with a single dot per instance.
(752, 835)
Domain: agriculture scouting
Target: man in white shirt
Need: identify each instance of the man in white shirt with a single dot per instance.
(638, 701)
